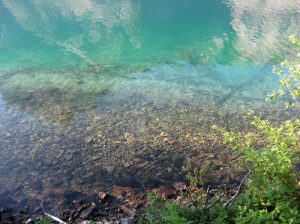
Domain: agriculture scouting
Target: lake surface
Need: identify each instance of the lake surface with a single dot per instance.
(96, 93)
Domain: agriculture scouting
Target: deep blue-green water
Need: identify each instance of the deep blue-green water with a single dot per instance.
(95, 93)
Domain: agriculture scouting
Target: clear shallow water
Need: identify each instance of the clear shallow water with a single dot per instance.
(98, 93)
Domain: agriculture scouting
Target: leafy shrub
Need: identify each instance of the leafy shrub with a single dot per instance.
(271, 194)
(289, 74)
(174, 212)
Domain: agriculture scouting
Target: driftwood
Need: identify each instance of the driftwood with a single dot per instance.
(54, 218)
(51, 216)
(238, 87)
(238, 190)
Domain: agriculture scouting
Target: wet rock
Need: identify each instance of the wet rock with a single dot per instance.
(6, 216)
(66, 215)
(180, 186)
(127, 210)
(4, 191)
(68, 156)
(126, 165)
(110, 169)
(210, 155)
(297, 167)
(5, 210)
(35, 185)
(24, 211)
(75, 186)
(103, 196)
(88, 212)
(163, 134)
(79, 180)
(128, 220)
(126, 179)
(120, 192)
(57, 182)
(169, 169)
(165, 192)
(135, 202)
(152, 183)
(89, 174)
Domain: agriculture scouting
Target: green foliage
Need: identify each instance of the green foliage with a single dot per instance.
(44, 220)
(173, 212)
(195, 173)
(271, 192)
(289, 74)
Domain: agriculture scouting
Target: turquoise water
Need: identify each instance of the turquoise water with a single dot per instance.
(121, 92)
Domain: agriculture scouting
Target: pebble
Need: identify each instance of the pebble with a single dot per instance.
(180, 186)
(110, 169)
(79, 180)
(128, 220)
(126, 165)
(103, 196)
(75, 186)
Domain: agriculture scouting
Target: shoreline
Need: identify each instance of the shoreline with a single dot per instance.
(122, 205)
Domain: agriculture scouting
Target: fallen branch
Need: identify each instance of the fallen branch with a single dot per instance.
(54, 218)
(239, 87)
(238, 190)
(51, 216)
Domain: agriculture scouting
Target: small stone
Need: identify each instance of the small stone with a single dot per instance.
(89, 174)
(24, 211)
(79, 180)
(68, 156)
(163, 134)
(169, 169)
(35, 185)
(110, 169)
(120, 192)
(128, 220)
(103, 196)
(127, 210)
(57, 182)
(165, 192)
(127, 164)
(75, 187)
(180, 186)
(7, 217)
(210, 155)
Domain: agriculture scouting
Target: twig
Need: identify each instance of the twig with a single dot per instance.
(238, 190)
(225, 190)
(208, 188)
(51, 216)
(55, 218)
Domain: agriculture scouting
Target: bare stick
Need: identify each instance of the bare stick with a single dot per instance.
(238, 190)
(55, 218)
(51, 216)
